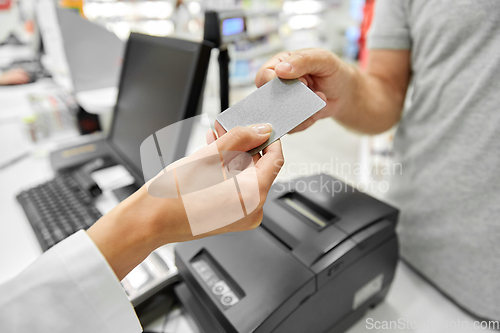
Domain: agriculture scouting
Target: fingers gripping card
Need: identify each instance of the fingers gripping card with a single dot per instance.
(284, 104)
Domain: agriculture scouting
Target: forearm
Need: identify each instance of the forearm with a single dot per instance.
(372, 104)
(127, 234)
(145, 221)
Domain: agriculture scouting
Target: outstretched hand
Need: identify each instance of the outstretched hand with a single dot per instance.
(322, 71)
(143, 222)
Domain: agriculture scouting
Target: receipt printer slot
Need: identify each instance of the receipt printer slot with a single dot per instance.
(314, 215)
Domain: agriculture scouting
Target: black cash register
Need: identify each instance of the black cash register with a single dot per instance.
(323, 255)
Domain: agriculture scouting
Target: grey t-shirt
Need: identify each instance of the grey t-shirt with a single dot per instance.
(448, 142)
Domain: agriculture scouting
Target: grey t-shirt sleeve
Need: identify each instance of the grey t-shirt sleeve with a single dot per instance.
(390, 28)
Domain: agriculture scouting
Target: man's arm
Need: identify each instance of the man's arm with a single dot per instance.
(369, 102)
(378, 95)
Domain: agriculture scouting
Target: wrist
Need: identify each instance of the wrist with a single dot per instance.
(127, 234)
(347, 91)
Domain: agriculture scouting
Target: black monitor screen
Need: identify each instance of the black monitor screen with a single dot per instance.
(154, 89)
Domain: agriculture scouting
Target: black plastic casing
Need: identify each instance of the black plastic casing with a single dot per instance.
(295, 277)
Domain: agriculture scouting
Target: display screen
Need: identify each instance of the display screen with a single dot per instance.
(153, 93)
(233, 26)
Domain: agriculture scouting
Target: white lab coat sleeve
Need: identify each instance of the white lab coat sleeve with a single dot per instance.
(70, 288)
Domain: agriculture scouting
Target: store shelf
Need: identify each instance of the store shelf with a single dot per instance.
(257, 51)
(257, 35)
(259, 13)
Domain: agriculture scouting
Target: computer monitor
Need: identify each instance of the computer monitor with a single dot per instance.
(36, 41)
(54, 58)
(161, 83)
(94, 54)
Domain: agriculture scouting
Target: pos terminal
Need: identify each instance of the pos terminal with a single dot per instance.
(324, 254)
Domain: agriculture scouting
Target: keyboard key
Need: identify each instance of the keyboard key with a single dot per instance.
(58, 235)
(57, 209)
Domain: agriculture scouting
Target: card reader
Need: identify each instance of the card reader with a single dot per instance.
(323, 255)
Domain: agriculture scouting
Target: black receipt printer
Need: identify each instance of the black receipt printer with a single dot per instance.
(322, 256)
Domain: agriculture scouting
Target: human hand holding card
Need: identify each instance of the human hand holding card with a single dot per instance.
(284, 104)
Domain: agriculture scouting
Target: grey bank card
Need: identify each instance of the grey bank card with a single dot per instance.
(284, 104)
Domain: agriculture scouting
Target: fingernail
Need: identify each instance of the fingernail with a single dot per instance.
(262, 128)
(284, 66)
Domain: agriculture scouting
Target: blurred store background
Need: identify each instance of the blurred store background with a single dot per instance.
(272, 26)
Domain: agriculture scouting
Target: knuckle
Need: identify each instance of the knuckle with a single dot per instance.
(282, 55)
(241, 133)
(247, 133)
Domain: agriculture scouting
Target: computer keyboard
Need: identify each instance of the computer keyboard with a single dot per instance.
(57, 209)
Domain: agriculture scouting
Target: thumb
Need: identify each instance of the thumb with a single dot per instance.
(243, 139)
(317, 62)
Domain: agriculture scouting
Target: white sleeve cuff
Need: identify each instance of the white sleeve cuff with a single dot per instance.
(97, 283)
